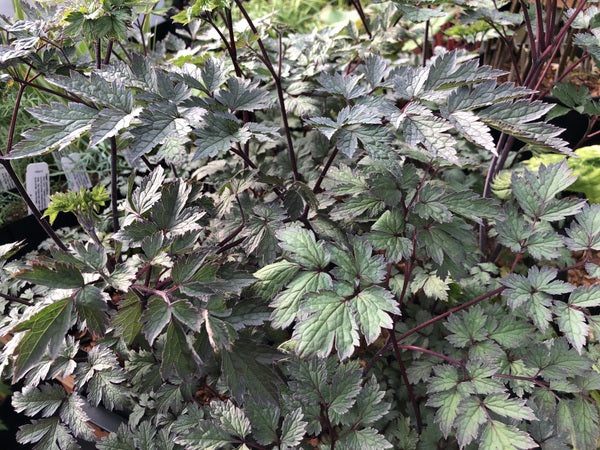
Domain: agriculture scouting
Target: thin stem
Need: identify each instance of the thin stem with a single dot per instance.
(532, 43)
(564, 74)
(277, 80)
(409, 389)
(113, 184)
(317, 187)
(425, 47)
(510, 50)
(539, 27)
(11, 298)
(363, 18)
(231, 50)
(432, 353)
(98, 54)
(109, 48)
(127, 54)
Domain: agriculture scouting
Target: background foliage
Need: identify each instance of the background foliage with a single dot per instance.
(311, 240)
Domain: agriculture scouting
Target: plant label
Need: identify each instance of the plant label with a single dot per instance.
(37, 181)
(76, 176)
(6, 183)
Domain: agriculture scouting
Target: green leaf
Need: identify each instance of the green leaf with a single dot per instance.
(365, 439)
(578, 418)
(585, 296)
(264, 422)
(509, 407)
(91, 307)
(95, 89)
(218, 135)
(248, 372)
(447, 403)
(585, 233)
(534, 293)
(357, 265)
(387, 235)
(467, 327)
(287, 304)
(293, 429)
(336, 317)
(499, 436)
(243, 95)
(159, 122)
(177, 356)
(332, 322)
(534, 191)
(44, 400)
(127, 321)
(231, 418)
(59, 276)
(46, 329)
(48, 433)
(484, 94)
(156, 316)
(471, 414)
(447, 72)
(274, 276)
(303, 247)
(205, 435)
(572, 323)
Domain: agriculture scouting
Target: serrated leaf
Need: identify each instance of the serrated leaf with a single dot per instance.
(471, 415)
(293, 429)
(91, 306)
(447, 72)
(365, 439)
(95, 89)
(44, 400)
(585, 233)
(578, 418)
(331, 317)
(303, 247)
(264, 422)
(177, 357)
(243, 95)
(127, 321)
(159, 121)
(499, 436)
(48, 433)
(286, 305)
(386, 235)
(572, 323)
(332, 322)
(447, 403)
(156, 316)
(473, 130)
(46, 329)
(58, 276)
(509, 407)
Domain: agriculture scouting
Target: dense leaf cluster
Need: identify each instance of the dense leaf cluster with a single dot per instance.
(306, 254)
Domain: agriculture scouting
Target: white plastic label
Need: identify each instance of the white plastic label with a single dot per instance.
(6, 183)
(37, 181)
(76, 176)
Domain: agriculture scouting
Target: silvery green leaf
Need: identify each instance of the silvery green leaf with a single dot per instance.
(159, 122)
(96, 89)
(243, 95)
(484, 94)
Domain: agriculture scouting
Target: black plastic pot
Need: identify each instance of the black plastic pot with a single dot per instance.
(575, 125)
(29, 230)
